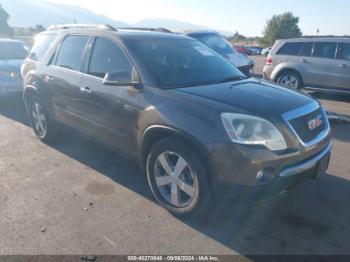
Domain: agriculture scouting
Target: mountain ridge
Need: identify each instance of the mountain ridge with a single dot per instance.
(48, 13)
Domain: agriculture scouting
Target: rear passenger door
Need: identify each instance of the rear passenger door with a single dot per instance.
(111, 110)
(343, 61)
(64, 77)
(322, 65)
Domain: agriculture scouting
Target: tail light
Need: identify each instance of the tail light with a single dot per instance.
(269, 60)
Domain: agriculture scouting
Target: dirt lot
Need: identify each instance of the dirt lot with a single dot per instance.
(76, 197)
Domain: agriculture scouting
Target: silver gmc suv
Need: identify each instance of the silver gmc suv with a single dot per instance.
(321, 63)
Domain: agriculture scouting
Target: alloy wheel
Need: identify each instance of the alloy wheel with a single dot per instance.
(39, 120)
(175, 179)
(289, 81)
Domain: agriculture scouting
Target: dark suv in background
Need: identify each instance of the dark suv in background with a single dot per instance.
(224, 48)
(198, 127)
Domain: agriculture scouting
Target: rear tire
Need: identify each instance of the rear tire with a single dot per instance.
(45, 128)
(290, 79)
(178, 178)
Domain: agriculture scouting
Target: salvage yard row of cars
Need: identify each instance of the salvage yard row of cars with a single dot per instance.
(202, 131)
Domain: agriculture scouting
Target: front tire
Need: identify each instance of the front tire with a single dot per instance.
(44, 127)
(178, 178)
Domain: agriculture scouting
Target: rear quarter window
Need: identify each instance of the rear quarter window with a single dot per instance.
(41, 46)
(290, 48)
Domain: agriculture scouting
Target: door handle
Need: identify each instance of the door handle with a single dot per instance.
(342, 66)
(86, 90)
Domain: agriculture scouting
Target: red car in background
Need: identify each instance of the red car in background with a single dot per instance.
(243, 50)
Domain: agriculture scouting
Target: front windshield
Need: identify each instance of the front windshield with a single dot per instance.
(182, 62)
(216, 42)
(12, 50)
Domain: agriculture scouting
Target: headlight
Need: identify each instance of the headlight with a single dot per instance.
(252, 130)
(9, 74)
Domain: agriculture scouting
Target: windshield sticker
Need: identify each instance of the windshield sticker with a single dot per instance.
(204, 51)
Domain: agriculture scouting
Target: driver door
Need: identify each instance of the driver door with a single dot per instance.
(111, 110)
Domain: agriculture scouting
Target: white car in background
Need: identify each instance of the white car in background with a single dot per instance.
(220, 45)
(266, 51)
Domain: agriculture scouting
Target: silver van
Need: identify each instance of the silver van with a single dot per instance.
(321, 63)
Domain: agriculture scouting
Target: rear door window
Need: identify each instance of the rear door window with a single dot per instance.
(71, 52)
(290, 48)
(107, 57)
(306, 49)
(344, 51)
(325, 49)
(41, 46)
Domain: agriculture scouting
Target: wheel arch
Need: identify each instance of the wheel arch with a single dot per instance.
(157, 132)
(28, 92)
(280, 71)
(31, 90)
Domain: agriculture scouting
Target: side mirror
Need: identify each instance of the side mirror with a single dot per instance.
(122, 78)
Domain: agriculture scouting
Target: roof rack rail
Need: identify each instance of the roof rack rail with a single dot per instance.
(153, 29)
(320, 36)
(326, 36)
(82, 26)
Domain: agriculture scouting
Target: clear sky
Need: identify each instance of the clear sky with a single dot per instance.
(246, 17)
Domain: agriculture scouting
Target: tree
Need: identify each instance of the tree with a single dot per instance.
(34, 30)
(39, 28)
(280, 27)
(5, 29)
(237, 38)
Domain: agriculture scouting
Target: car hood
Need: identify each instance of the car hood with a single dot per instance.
(11, 65)
(251, 96)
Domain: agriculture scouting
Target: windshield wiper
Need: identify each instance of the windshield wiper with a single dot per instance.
(231, 79)
(204, 83)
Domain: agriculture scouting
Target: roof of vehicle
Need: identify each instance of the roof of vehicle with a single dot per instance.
(317, 38)
(138, 32)
(152, 29)
(81, 26)
(148, 34)
(200, 32)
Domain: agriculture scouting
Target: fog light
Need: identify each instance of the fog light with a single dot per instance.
(265, 175)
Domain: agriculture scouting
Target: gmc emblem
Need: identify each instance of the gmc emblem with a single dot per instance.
(315, 123)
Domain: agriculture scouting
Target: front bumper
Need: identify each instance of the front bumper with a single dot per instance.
(10, 87)
(307, 165)
(236, 180)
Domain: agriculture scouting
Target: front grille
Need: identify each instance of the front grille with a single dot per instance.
(301, 125)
